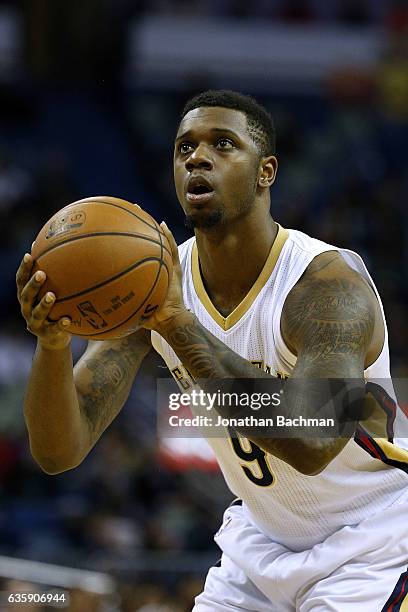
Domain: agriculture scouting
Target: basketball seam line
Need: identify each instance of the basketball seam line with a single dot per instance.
(108, 280)
(121, 208)
(90, 235)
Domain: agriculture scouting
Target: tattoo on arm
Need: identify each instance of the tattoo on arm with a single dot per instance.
(109, 375)
(204, 355)
(330, 323)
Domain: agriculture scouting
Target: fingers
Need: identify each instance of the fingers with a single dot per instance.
(39, 324)
(40, 313)
(64, 323)
(172, 242)
(29, 293)
(23, 273)
(53, 335)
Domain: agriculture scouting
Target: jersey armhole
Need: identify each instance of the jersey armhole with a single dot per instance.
(383, 361)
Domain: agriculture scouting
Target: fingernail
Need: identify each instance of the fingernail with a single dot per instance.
(65, 322)
(39, 276)
(164, 224)
(32, 245)
(49, 298)
(26, 258)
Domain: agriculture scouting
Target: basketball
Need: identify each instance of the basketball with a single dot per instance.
(108, 263)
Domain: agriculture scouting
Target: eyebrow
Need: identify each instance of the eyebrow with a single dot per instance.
(215, 130)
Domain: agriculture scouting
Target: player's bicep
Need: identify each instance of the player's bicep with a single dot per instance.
(330, 322)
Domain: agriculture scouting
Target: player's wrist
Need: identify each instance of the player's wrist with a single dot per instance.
(59, 345)
(177, 319)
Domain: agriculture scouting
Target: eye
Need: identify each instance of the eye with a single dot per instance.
(224, 144)
(185, 147)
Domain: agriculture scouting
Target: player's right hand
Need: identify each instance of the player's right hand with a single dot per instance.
(50, 335)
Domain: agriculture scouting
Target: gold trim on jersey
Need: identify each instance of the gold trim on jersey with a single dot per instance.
(227, 322)
(376, 424)
(395, 453)
(382, 449)
(398, 600)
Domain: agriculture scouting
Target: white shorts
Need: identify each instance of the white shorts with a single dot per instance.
(361, 568)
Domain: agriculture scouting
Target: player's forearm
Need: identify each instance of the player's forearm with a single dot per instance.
(57, 431)
(203, 354)
(207, 358)
(104, 376)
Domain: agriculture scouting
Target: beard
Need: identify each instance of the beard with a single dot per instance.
(204, 221)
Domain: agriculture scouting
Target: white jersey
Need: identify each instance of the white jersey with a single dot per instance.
(368, 475)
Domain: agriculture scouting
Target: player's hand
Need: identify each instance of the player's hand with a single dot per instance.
(173, 305)
(50, 335)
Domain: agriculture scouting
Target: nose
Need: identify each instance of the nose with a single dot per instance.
(199, 158)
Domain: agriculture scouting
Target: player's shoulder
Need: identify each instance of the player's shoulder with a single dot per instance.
(331, 290)
(330, 264)
(308, 244)
(325, 259)
(331, 274)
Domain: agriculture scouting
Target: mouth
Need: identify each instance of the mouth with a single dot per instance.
(199, 190)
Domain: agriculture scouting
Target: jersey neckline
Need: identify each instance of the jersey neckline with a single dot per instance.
(227, 322)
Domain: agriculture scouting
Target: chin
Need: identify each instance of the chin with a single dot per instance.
(204, 220)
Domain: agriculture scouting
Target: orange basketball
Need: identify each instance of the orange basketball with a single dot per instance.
(108, 263)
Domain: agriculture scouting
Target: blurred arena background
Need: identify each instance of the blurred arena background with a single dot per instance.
(89, 99)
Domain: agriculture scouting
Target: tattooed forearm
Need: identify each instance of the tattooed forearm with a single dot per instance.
(107, 390)
(203, 354)
(208, 359)
(309, 456)
(328, 321)
(106, 378)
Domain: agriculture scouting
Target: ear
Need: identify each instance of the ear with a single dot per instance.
(267, 171)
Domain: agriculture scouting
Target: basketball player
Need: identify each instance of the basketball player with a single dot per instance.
(318, 525)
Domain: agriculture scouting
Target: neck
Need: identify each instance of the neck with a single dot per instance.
(231, 260)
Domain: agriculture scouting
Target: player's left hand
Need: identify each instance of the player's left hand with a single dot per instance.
(173, 305)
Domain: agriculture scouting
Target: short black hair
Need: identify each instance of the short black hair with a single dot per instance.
(260, 123)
